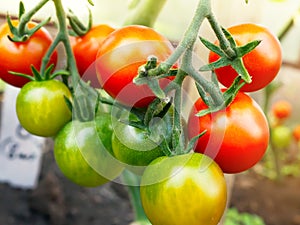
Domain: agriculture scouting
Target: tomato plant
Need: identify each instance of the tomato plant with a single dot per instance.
(236, 138)
(82, 152)
(119, 58)
(184, 189)
(85, 49)
(262, 63)
(41, 107)
(19, 56)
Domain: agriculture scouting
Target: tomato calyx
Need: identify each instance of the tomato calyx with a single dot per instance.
(236, 62)
(47, 75)
(22, 33)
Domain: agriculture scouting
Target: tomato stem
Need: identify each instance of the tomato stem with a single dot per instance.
(133, 186)
(145, 12)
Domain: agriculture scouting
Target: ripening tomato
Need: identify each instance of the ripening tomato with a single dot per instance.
(262, 63)
(296, 133)
(19, 56)
(281, 109)
(41, 107)
(85, 49)
(119, 58)
(82, 152)
(236, 137)
(185, 189)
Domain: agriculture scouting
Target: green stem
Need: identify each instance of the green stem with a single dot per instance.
(224, 43)
(268, 91)
(64, 37)
(207, 86)
(290, 23)
(145, 12)
(133, 187)
(178, 133)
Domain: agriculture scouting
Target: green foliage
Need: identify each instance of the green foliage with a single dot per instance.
(233, 217)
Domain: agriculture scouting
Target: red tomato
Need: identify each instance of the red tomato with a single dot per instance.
(236, 138)
(296, 133)
(281, 109)
(263, 63)
(19, 56)
(120, 56)
(85, 49)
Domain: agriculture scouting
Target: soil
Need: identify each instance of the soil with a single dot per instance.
(57, 201)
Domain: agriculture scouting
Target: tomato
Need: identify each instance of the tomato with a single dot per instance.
(41, 107)
(236, 138)
(19, 56)
(82, 152)
(136, 146)
(296, 133)
(120, 56)
(281, 136)
(281, 109)
(85, 49)
(184, 189)
(262, 63)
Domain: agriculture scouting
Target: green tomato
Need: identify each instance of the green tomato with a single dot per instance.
(185, 189)
(82, 152)
(41, 107)
(137, 147)
(281, 136)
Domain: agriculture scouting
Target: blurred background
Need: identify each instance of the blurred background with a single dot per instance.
(257, 192)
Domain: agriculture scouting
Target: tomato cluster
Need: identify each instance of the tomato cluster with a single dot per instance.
(93, 151)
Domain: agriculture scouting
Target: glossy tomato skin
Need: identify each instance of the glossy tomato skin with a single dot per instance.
(41, 107)
(82, 152)
(138, 147)
(236, 138)
(85, 50)
(19, 56)
(263, 63)
(120, 56)
(184, 189)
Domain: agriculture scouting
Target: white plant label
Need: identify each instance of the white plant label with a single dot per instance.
(20, 152)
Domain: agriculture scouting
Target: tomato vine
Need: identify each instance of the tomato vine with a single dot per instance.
(177, 66)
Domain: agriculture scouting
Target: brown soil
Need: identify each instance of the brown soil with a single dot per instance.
(278, 203)
(57, 201)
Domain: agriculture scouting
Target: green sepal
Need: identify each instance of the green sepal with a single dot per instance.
(192, 142)
(17, 37)
(68, 103)
(31, 78)
(212, 47)
(78, 28)
(245, 49)
(221, 62)
(21, 9)
(157, 108)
